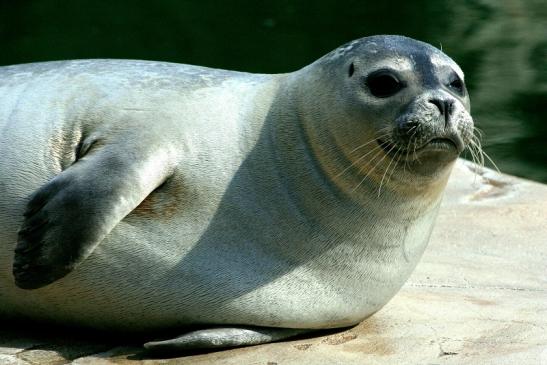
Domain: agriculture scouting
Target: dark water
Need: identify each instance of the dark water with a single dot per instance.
(501, 45)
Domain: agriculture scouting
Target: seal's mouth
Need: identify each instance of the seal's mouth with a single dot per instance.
(441, 144)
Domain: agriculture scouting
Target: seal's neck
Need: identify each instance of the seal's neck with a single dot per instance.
(314, 159)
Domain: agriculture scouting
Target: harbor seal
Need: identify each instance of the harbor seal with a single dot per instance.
(142, 196)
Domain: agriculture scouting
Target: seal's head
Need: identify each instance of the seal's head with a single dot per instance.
(401, 105)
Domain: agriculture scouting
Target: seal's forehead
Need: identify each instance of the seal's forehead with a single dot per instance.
(402, 52)
(440, 61)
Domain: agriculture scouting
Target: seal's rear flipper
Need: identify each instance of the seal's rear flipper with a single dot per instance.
(223, 337)
(70, 215)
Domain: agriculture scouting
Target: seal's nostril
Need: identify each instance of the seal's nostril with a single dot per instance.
(449, 106)
(440, 104)
(445, 107)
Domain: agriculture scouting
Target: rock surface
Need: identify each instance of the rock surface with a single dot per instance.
(479, 296)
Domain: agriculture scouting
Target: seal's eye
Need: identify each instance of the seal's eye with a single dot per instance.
(457, 85)
(383, 84)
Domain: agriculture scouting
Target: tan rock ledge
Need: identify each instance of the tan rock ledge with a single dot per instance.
(479, 296)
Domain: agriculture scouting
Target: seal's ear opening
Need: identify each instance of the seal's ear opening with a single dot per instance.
(351, 70)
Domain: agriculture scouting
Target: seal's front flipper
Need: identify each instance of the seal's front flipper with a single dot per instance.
(223, 337)
(67, 217)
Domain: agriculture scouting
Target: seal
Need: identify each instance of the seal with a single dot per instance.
(147, 196)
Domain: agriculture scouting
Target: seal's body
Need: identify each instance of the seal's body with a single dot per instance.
(145, 195)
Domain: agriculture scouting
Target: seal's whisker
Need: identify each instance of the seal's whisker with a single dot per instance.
(475, 160)
(387, 128)
(369, 142)
(466, 156)
(363, 145)
(412, 141)
(371, 170)
(491, 161)
(405, 153)
(477, 154)
(372, 159)
(358, 160)
(408, 148)
(374, 168)
(479, 132)
(476, 150)
(472, 142)
(474, 156)
(413, 135)
(406, 161)
(475, 170)
(412, 129)
(475, 143)
(480, 153)
(385, 172)
(398, 155)
(415, 155)
(480, 149)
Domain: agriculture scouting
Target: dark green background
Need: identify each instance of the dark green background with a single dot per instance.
(501, 45)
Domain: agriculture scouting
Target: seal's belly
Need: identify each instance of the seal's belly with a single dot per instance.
(218, 281)
(174, 272)
(326, 294)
